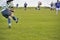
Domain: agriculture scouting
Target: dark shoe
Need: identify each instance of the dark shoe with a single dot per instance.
(9, 27)
(17, 20)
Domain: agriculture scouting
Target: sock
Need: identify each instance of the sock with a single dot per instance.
(14, 18)
(56, 12)
(9, 22)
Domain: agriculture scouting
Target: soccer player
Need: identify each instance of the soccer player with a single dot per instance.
(57, 4)
(7, 12)
(25, 5)
(52, 6)
(38, 7)
(17, 5)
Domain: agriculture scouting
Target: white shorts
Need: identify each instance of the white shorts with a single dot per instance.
(57, 8)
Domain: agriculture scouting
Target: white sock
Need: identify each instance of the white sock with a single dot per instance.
(56, 12)
(9, 24)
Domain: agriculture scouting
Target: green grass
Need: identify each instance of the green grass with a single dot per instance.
(33, 25)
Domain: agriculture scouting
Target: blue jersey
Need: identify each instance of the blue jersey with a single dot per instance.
(57, 5)
(25, 4)
(17, 5)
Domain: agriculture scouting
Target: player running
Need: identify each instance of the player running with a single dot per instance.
(39, 4)
(7, 12)
(57, 4)
(25, 6)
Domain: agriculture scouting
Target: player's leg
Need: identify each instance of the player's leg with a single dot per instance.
(14, 18)
(9, 22)
(24, 7)
(51, 8)
(57, 11)
(6, 13)
(38, 8)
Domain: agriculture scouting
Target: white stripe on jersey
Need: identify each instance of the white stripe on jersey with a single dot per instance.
(6, 6)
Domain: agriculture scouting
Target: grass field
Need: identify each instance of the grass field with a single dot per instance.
(33, 25)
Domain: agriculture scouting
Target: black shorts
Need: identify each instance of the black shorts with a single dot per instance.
(6, 13)
(25, 6)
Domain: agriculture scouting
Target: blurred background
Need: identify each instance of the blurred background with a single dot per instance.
(31, 3)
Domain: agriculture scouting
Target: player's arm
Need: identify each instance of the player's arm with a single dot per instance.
(11, 7)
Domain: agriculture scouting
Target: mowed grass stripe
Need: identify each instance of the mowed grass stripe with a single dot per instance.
(33, 25)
